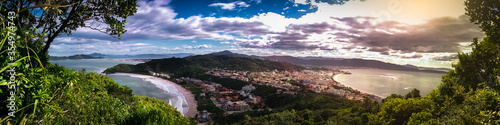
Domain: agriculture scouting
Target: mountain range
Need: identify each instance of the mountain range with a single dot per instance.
(338, 62)
(305, 61)
(126, 56)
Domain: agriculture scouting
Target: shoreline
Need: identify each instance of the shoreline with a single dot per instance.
(362, 91)
(187, 95)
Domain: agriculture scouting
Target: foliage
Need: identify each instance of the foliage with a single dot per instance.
(196, 66)
(468, 94)
(51, 94)
(485, 14)
(56, 17)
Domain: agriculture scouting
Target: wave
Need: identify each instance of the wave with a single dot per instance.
(389, 76)
(178, 100)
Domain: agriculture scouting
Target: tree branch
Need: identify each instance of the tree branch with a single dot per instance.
(47, 5)
(63, 25)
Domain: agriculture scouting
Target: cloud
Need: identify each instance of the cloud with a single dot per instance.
(331, 2)
(438, 35)
(219, 25)
(313, 33)
(444, 34)
(107, 47)
(225, 42)
(450, 57)
(230, 6)
(186, 47)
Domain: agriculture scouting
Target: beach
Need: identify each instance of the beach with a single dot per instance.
(183, 96)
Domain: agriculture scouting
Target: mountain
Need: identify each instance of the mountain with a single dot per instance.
(139, 56)
(152, 56)
(199, 64)
(229, 53)
(97, 55)
(339, 62)
(336, 62)
(78, 56)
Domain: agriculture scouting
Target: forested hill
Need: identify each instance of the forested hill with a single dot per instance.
(201, 63)
(338, 62)
(360, 63)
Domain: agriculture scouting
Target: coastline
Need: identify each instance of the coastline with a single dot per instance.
(335, 78)
(187, 95)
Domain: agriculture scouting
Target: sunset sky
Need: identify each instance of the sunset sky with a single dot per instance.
(418, 32)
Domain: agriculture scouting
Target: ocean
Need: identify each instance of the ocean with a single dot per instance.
(90, 65)
(386, 82)
(139, 85)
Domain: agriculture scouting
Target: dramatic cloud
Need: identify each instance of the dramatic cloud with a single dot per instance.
(294, 27)
(437, 35)
(186, 47)
(446, 57)
(230, 6)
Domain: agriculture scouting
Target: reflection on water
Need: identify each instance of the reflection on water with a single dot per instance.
(385, 82)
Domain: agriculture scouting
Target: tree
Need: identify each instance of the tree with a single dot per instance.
(57, 17)
(415, 93)
(486, 14)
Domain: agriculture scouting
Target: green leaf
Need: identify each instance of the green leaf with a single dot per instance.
(39, 69)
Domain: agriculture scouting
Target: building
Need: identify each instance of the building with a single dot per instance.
(236, 106)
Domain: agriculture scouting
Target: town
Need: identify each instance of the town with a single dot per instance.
(291, 82)
(288, 82)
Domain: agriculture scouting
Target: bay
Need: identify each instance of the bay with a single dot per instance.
(139, 85)
(90, 65)
(386, 82)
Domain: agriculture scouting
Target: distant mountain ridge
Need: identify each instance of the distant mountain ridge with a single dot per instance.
(138, 56)
(78, 56)
(339, 62)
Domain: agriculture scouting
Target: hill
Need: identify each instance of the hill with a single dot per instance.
(361, 63)
(78, 56)
(201, 63)
(105, 56)
(337, 62)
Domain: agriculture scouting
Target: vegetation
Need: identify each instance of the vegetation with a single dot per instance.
(194, 66)
(57, 17)
(49, 94)
(468, 94)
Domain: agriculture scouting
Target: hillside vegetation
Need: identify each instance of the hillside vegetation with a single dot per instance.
(197, 65)
(43, 93)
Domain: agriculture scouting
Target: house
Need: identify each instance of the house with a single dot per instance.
(236, 106)
(204, 117)
(290, 93)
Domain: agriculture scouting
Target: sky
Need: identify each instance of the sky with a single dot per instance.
(426, 33)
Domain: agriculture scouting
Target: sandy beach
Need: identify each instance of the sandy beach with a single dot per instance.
(188, 96)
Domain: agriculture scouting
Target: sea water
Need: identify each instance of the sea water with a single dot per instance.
(143, 86)
(386, 82)
(153, 87)
(90, 65)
